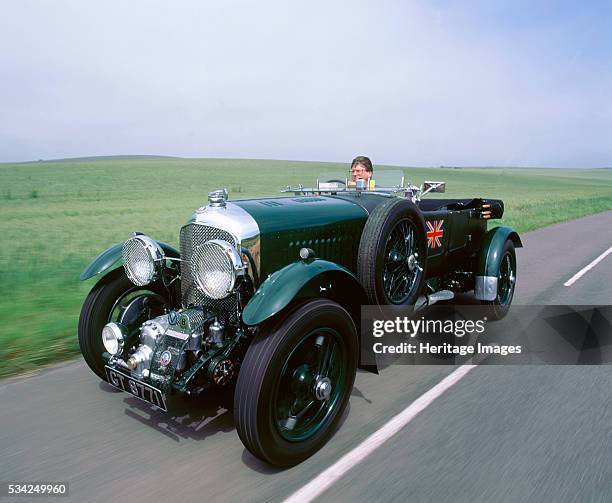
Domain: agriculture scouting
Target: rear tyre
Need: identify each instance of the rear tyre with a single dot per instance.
(295, 382)
(506, 282)
(115, 298)
(392, 259)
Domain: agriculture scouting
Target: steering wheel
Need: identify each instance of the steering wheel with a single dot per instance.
(336, 181)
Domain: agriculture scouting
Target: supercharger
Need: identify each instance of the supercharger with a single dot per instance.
(170, 341)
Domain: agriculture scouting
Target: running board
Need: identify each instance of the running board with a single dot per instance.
(432, 298)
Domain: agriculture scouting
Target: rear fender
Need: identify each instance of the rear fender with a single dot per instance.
(487, 268)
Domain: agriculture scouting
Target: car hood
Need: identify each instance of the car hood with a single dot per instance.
(280, 214)
(330, 226)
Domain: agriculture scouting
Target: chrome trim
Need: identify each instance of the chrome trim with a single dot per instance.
(485, 287)
(236, 267)
(323, 388)
(238, 222)
(153, 250)
(306, 253)
(118, 335)
(217, 198)
(430, 299)
(151, 331)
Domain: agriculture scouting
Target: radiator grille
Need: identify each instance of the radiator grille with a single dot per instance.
(193, 235)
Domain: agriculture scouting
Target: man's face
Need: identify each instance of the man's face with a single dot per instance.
(359, 172)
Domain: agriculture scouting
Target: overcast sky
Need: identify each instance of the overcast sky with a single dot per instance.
(413, 83)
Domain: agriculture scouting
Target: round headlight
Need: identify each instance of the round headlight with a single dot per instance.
(216, 265)
(113, 338)
(142, 259)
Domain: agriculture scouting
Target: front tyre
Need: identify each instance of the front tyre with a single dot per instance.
(115, 298)
(295, 382)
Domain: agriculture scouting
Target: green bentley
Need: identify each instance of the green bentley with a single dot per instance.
(263, 298)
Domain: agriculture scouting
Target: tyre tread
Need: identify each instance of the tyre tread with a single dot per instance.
(270, 336)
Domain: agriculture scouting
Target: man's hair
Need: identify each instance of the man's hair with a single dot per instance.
(362, 159)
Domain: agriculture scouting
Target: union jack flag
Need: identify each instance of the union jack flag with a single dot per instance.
(434, 233)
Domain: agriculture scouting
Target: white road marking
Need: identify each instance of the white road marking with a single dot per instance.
(583, 271)
(326, 478)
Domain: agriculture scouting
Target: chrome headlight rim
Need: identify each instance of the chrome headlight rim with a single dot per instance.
(113, 338)
(234, 267)
(153, 253)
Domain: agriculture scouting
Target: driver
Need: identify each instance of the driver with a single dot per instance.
(361, 168)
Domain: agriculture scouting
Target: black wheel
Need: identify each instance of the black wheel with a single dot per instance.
(115, 298)
(295, 382)
(335, 180)
(393, 253)
(506, 282)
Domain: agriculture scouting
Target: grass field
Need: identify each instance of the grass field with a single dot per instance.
(57, 216)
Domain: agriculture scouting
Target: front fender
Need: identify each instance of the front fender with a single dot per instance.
(108, 257)
(306, 278)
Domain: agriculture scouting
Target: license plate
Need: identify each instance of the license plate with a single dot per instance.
(137, 388)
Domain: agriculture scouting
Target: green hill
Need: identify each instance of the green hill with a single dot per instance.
(57, 216)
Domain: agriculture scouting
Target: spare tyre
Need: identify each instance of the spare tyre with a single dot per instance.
(392, 258)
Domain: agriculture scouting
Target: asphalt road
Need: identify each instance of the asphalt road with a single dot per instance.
(530, 433)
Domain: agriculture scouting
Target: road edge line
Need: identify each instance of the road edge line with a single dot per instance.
(586, 269)
(325, 479)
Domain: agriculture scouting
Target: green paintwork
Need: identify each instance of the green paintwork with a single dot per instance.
(330, 226)
(292, 282)
(491, 250)
(111, 255)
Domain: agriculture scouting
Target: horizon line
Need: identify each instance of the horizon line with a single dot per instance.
(94, 158)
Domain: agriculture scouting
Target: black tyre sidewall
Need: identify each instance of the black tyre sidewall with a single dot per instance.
(370, 260)
(260, 372)
(95, 312)
(496, 310)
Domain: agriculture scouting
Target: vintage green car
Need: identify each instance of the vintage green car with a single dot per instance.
(263, 298)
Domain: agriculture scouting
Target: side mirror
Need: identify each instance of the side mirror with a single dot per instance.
(428, 187)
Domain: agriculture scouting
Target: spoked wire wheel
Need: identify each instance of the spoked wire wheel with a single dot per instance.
(506, 283)
(401, 262)
(506, 280)
(392, 258)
